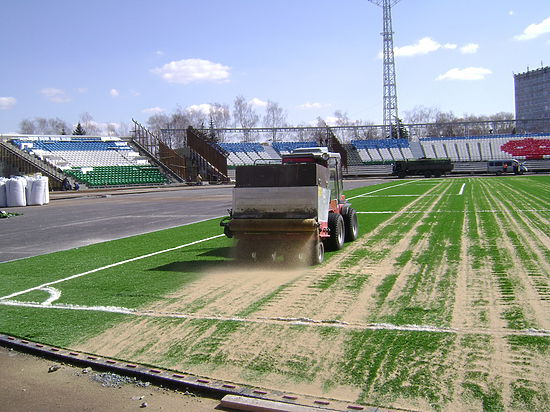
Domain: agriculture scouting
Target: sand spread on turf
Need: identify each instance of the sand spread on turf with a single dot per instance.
(279, 349)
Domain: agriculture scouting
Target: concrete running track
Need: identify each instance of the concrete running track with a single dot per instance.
(75, 219)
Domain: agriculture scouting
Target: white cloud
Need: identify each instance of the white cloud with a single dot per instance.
(424, 46)
(134, 93)
(315, 105)
(153, 110)
(511, 13)
(82, 90)
(114, 93)
(7, 103)
(203, 108)
(159, 53)
(469, 48)
(55, 95)
(193, 70)
(257, 102)
(469, 73)
(535, 30)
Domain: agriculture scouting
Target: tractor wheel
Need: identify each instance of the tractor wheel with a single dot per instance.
(318, 253)
(336, 227)
(351, 225)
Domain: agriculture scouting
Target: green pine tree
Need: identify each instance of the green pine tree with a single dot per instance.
(79, 130)
(399, 130)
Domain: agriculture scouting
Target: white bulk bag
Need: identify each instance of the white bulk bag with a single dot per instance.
(15, 192)
(35, 191)
(3, 199)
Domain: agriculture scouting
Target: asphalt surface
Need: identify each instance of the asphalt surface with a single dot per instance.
(75, 219)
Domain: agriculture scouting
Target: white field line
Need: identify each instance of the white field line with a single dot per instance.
(449, 211)
(462, 189)
(379, 190)
(280, 320)
(450, 194)
(54, 295)
(395, 195)
(55, 282)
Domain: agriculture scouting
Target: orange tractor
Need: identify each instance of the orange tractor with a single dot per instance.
(292, 210)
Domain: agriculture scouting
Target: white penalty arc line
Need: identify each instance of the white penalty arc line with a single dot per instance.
(55, 282)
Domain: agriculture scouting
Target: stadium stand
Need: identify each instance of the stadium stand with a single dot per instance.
(94, 161)
(488, 147)
(117, 175)
(244, 153)
(383, 150)
(287, 147)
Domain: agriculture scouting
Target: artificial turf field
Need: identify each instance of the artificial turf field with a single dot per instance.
(441, 304)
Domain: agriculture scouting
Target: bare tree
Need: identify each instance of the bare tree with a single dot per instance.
(220, 115)
(220, 118)
(197, 118)
(156, 122)
(244, 115)
(275, 116)
(123, 129)
(179, 119)
(27, 126)
(112, 129)
(421, 114)
(87, 121)
(341, 118)
(41, 125)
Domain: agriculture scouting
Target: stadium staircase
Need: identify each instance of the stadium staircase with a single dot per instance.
(209, 157)
(26, 163)
(199, 155)
(334, 145)
(353, 156)
(169, 173)
(271, 153)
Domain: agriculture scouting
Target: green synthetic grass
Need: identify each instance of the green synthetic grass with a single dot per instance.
(383, 365)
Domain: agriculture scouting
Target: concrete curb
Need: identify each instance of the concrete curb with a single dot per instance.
(181, 380)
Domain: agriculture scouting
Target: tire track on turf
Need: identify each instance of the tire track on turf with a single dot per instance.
(509, 303)
(410, 241)
(530, 295)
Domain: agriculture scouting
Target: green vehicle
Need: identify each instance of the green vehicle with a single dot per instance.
(422, 167)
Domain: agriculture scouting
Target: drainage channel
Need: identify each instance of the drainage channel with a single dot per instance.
(181, 380)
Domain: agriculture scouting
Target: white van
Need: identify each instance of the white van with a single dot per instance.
(499, 167)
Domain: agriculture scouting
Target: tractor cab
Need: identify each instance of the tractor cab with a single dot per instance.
(323, 157)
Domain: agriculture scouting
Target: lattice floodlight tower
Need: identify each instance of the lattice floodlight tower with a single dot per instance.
(390, 86)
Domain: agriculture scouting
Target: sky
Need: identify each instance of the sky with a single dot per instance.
(122, 59)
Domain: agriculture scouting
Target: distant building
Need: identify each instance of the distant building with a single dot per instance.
(532, 90)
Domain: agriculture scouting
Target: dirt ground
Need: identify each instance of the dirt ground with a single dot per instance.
(27, 385)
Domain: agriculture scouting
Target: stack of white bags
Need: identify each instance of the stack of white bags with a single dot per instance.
(24, 191)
